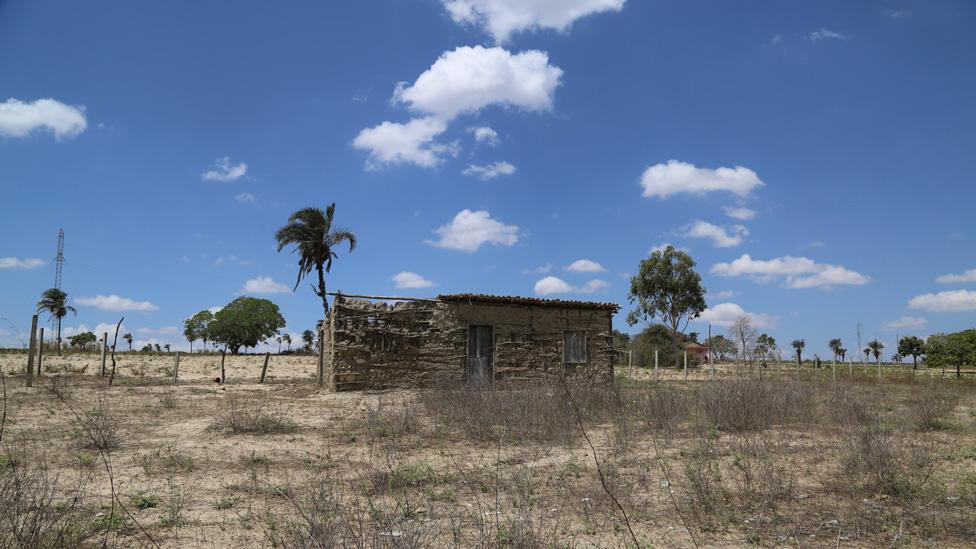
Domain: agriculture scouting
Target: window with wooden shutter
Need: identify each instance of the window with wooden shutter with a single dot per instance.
(574, 348)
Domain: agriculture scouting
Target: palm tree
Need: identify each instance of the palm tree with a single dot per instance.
(278, 339)
(867, 353)
(128, 339)
(287, 339)
(798, 345)
(842, 352)
(835, 346)
(308, 336)
(310, 230)
(875, 347)
(55, 302)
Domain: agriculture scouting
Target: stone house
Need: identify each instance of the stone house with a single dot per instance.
(473, 339)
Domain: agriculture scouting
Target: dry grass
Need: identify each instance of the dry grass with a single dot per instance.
(742, 460)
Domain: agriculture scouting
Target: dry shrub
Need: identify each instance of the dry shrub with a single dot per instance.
(705, 493)
(661, 408)
(393, 419)
(882, 458)
(101, 430)
(243, 416)
(928, 406)
(755, 404)
(35, 512)
(540, 413)
(762, 476)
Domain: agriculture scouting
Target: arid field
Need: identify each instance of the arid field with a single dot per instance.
(751, 457)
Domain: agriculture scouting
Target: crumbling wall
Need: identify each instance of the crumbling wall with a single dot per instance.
(375, 345)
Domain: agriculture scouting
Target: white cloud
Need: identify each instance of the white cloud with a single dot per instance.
(230, 260)
(502, 18)
(676, 177)
(945, 302)
(720, 236)
(469, 79)
(968, 276)
(585, 266)
(725, 314)
(724, 294)
(17, 263)
(264, 285)
(541, 269)
(406, 279)
(246, 198)
(116, 304)
(224, 170)
(20, 119)
(897, 14)
(824, 34)
(776, 39)
(469, 230)
(904, 323)
(484, 134)
(555, 285)
(409, 143)
(462, 81)
(740, 212)
(490, 171)
(799, 272)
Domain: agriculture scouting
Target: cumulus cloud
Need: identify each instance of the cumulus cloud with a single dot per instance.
(740, 212)
(20, 119)
(945, 302)
(409, 143)
(825, 34)
(673, 177)
(18, 263)
(406, 279)
(115, 303)
(585, 266)
(224, 170)
(556, 285)
(462, 81)
(799, 272)
(469, 230)
(720, 236)
(502, 18)
(490, 171)
(725, 314)
(264, 285)
(968, 276)
(904, 323)
(484, 134)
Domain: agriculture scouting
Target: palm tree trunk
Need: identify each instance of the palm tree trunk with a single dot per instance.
(59, 336)
(325, 298)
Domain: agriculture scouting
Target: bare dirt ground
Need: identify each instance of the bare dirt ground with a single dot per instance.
(739, 461)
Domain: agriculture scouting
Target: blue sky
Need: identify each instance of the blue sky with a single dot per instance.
(813, 157)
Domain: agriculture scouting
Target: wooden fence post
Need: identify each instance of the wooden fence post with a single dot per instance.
(322, 356)
(264, 369)
(176, 368)
(40, 353)
(686, 365)
(104, 351)
(223, 376)
(30, 352)
(655, 365)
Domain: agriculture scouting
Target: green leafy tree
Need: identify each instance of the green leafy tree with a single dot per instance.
(310, 231)
(245, 322)
(82, 340)
(914, 346)
(55, 303)
(147, 348)
(653, 337)
(798, 345)
(835, 345)
(951, 350)
(765, 344)
(158, 348)
(195, 327)
(667, 288)
(721, 347)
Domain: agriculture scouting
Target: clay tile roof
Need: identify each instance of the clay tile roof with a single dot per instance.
(517, 300)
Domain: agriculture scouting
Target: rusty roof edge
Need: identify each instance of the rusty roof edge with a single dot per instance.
(519, 300)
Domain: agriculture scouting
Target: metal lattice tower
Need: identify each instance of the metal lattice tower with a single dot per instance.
(59, 260)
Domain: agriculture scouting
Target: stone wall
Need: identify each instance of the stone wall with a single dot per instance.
(375, 345)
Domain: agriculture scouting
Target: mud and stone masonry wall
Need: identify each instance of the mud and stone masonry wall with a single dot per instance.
(375, 345)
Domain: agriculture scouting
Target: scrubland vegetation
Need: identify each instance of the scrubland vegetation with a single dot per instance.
(741, 460)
